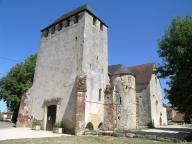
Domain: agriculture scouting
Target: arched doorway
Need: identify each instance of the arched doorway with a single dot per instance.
(89, 126)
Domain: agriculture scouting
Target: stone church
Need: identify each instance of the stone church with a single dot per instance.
(74, 85)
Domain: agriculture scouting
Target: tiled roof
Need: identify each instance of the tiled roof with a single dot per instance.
(118, 69)
(143, 73)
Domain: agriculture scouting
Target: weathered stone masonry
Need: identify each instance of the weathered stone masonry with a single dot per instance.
(24, 118)
(80, 104)
(73, 84)
(109, 122)
(122, 99)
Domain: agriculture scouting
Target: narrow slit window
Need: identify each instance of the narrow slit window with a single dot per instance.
(76, 19)
(94, 20)
(100, 90)
(101, 26)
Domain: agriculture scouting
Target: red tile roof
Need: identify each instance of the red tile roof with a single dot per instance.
(143, 74)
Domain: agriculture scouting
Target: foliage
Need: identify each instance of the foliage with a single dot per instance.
(16, 82)
(115, 134)
(57, 125)
(89, 126)
(36, 123)
(175, 49)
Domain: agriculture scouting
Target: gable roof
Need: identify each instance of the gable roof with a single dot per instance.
(85, 7)
(143, 74)
(118, 69)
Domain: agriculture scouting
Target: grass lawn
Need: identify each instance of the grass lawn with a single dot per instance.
(83, 140)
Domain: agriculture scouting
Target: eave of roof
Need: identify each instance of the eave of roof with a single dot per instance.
(119, 69)
(72, 13)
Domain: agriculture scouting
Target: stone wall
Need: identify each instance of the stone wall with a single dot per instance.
(158, 112)
(125, 101)
(95, 67)
(58, 63)
(144, 108)
(150, 110)
(109, 122)
(75, 49)
(164, 116)
(80, 104)
(24, 119)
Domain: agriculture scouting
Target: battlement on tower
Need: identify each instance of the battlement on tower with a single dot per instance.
(72, 18)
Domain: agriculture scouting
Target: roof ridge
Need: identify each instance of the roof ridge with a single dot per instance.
(139, 65)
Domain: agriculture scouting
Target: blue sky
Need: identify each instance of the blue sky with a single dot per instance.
(135, 26)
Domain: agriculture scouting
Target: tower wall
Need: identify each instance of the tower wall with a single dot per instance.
(71, 72)
(58, 64)
(125, 101)
(95, 66)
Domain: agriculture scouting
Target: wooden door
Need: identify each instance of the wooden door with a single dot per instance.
(51, 117)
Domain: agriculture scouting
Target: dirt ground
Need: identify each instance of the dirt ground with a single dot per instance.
(83, 140)
(11, 135)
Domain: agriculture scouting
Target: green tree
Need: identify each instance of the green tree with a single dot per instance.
(175, 49)
(16, 82)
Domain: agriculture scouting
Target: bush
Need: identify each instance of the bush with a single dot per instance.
(115, 134)
(58, 125)
(36, 122)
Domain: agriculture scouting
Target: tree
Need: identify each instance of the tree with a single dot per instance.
(175, 49)
(18, 80)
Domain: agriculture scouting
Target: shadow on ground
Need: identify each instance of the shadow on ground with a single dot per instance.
(162, 134)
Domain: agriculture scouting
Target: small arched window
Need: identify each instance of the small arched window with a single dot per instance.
(100, 90)
(100, 126)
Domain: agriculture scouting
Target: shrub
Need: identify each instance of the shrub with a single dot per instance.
(36, 122)
(57, 125)
(115, 134)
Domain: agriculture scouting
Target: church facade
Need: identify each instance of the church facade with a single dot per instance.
(74, 85)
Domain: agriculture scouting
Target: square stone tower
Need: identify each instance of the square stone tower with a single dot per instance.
(71, 73)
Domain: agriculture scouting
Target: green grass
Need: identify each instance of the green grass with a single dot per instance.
(84, 140)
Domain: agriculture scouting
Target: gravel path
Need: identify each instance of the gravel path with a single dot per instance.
(5, 124)
(7, 131)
